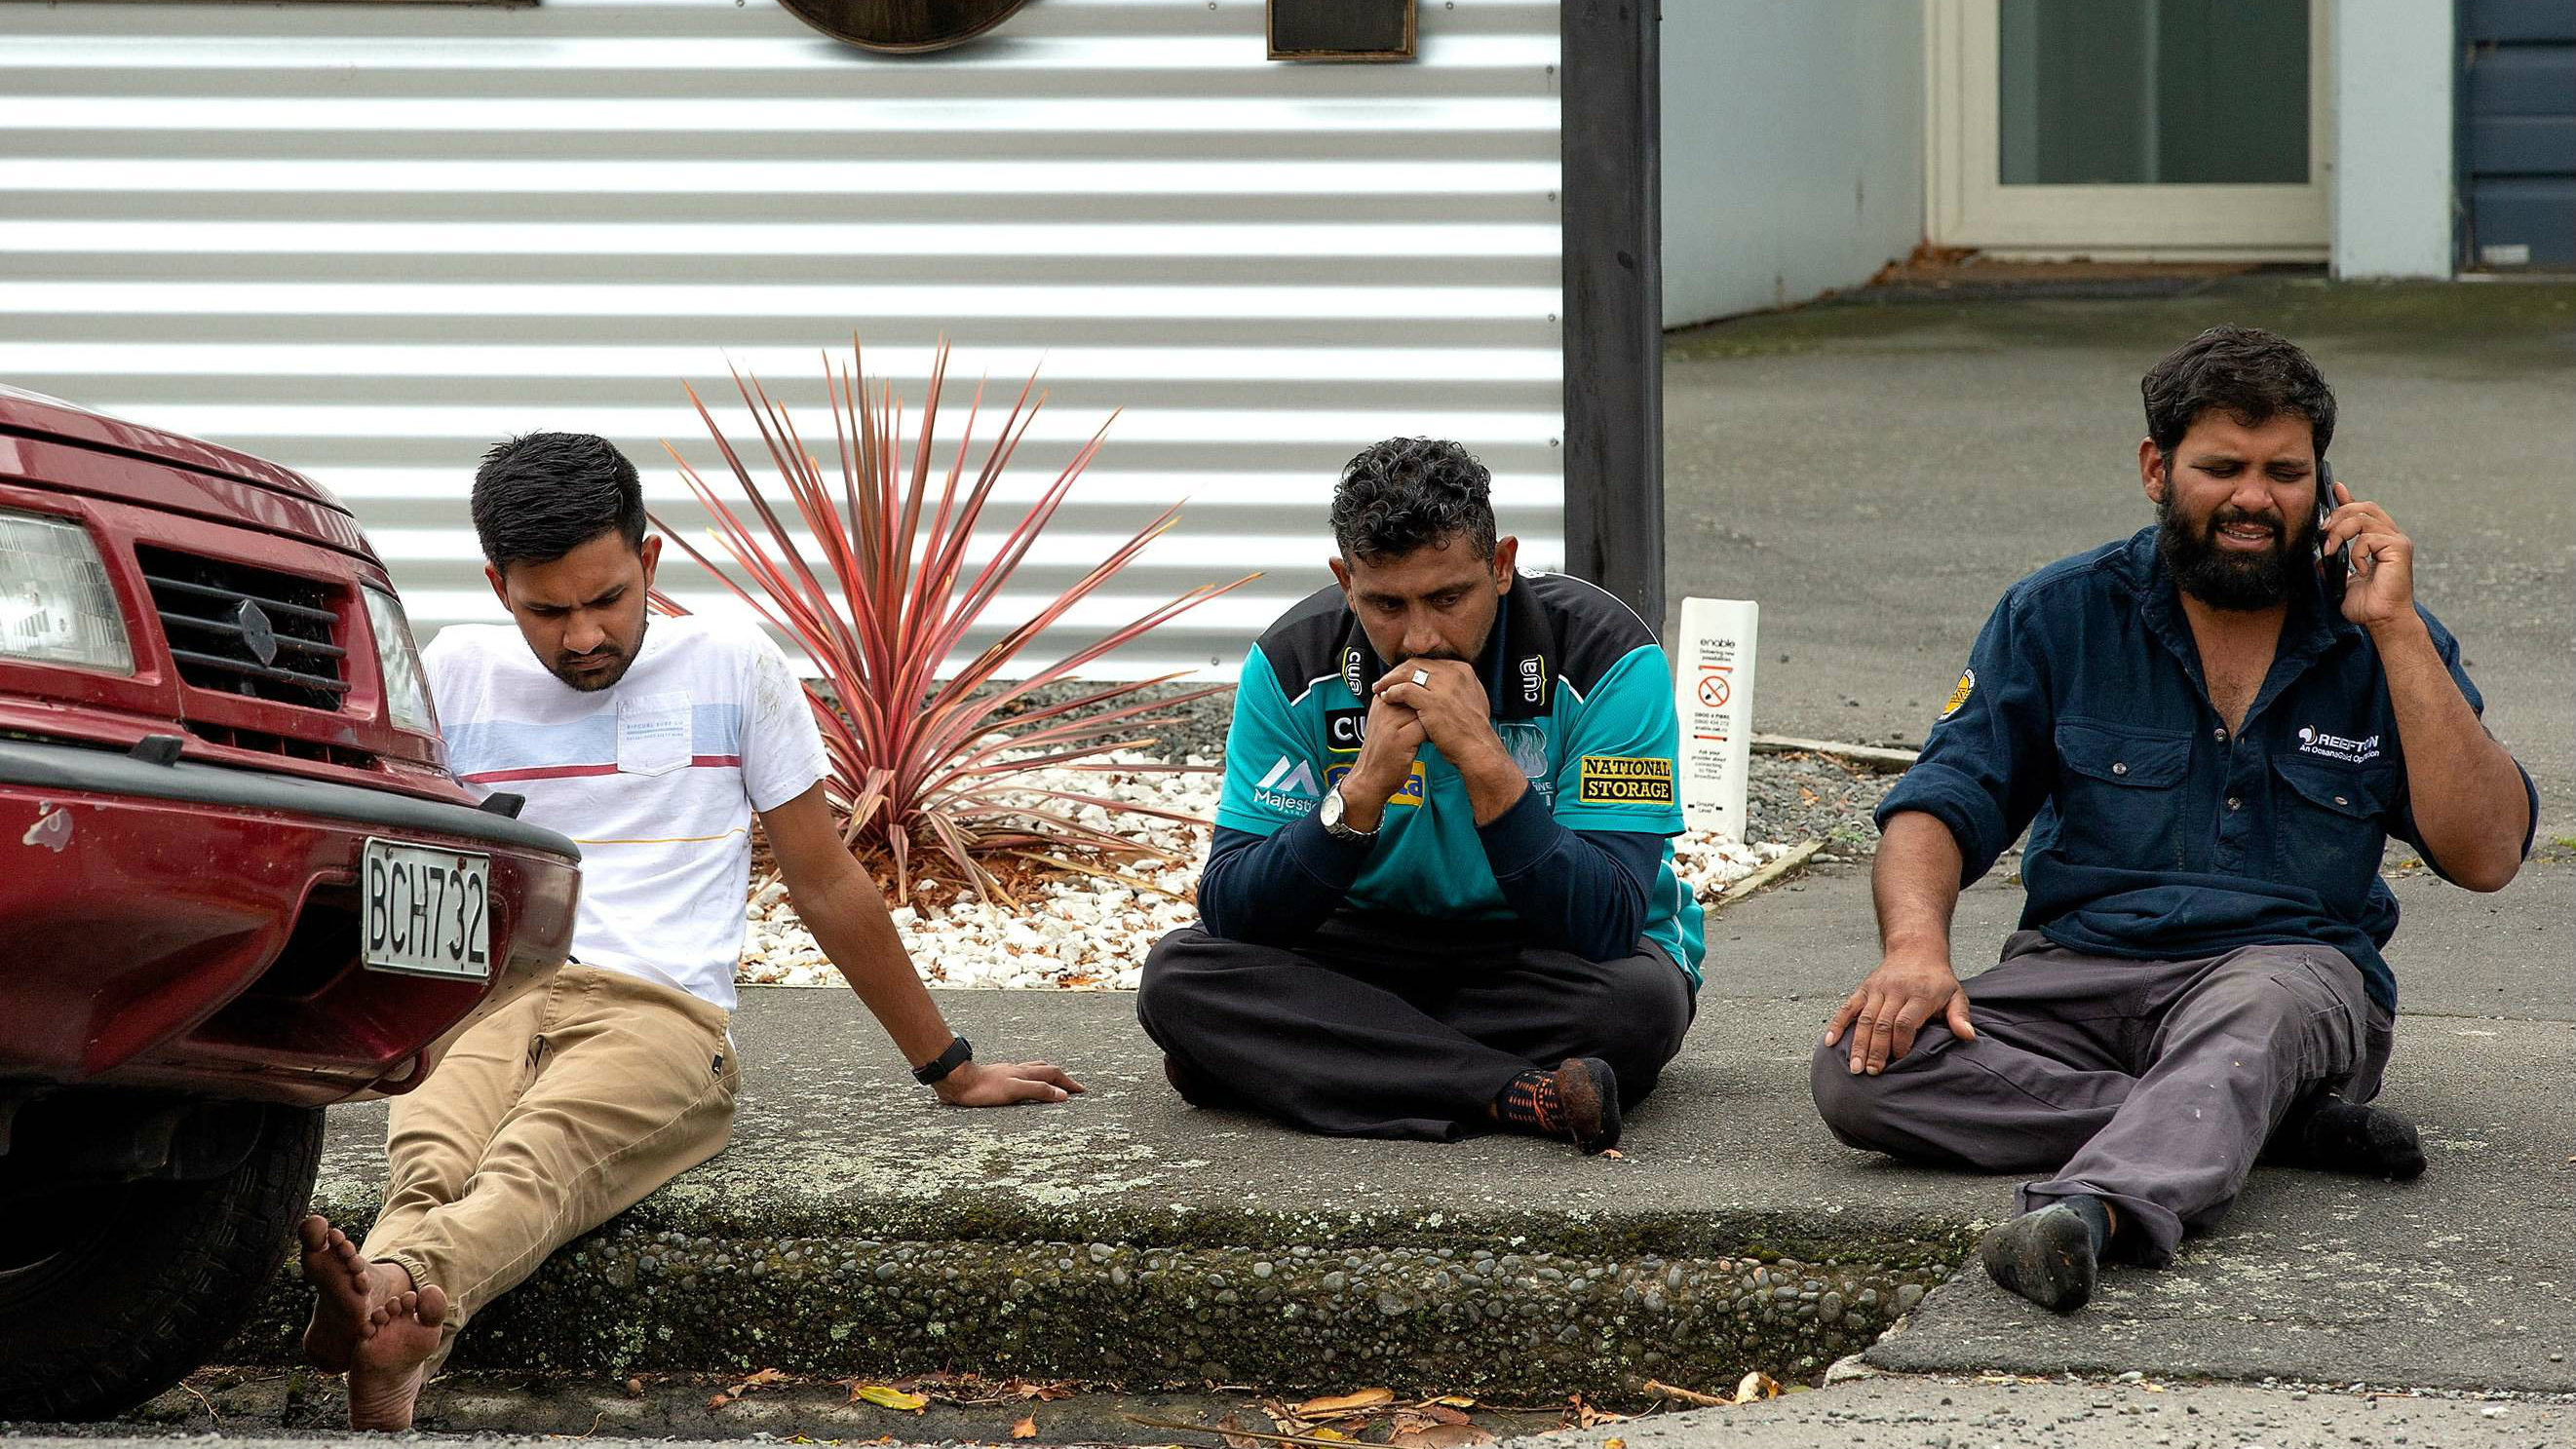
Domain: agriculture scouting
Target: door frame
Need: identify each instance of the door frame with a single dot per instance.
(1966, 203)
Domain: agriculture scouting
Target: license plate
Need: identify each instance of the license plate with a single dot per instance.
(428, 911)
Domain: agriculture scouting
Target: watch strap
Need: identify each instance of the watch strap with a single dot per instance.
(936, 1070)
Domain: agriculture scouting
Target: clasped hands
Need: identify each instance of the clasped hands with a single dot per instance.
(1447, 708)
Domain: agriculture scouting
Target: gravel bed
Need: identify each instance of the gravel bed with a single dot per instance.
(1088, 932)
(1092, 931)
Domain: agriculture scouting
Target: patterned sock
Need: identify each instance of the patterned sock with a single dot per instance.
(1577, 1103)
(1529, 1103)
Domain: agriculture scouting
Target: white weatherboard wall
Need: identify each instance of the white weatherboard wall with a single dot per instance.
(368, 241)
(2393, 67)
(1792, 149)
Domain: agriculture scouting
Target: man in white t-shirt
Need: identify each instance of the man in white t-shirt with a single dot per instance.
(653, 749)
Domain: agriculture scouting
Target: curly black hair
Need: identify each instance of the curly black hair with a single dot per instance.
(1410, 493)
(2247, 373)
(542, 495)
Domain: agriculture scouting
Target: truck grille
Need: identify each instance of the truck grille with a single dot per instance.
(234, 629)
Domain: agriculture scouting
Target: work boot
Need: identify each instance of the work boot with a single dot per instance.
(2051, 1257)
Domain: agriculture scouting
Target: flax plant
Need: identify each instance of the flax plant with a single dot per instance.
(921, 756)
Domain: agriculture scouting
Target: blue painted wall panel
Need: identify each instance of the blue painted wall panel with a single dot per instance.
(2519, 20)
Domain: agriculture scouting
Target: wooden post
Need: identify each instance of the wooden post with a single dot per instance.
(1612, 208)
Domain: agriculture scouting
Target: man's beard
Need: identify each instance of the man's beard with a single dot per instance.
(618, 662)
(2225, 579)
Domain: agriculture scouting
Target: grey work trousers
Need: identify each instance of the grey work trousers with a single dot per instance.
(2152, 1085)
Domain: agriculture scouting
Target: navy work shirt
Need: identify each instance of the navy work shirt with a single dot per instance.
(2155, 833)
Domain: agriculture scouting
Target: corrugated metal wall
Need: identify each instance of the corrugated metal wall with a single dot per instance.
(366, 241)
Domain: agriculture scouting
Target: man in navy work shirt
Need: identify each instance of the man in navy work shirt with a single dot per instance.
(1441, 896)
(2210, 754)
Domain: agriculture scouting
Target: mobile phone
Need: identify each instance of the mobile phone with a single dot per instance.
(2331, 573)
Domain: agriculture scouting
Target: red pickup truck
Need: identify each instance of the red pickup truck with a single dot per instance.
(237, 883)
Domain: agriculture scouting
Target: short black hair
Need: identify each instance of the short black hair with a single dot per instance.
(2249, 374)
(542, 495)
(1410, 493)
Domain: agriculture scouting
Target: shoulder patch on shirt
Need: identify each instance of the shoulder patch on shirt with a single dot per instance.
(1624, 780)
(1959, 696)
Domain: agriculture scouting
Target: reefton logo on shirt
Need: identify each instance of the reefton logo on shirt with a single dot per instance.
(2314, 741)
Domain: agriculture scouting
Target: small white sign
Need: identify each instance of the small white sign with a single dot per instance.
(1713, 694)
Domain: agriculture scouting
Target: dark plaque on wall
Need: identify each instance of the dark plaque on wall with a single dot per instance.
(1341, 29)
(903, 27)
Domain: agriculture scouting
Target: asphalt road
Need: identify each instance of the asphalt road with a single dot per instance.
(1876, 472)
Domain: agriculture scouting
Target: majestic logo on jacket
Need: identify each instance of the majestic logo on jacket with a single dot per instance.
(1289, 785)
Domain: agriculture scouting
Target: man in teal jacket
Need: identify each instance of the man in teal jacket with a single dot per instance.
(1441, 896)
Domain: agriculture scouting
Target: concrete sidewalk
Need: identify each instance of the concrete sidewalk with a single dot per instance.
(856, 1226)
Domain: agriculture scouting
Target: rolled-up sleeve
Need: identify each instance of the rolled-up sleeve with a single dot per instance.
(1987, 762)
(2400, 820)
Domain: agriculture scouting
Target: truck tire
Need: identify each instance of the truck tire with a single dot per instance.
(109, 1295)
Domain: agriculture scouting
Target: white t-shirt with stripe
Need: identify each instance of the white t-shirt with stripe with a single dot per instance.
(655, 777)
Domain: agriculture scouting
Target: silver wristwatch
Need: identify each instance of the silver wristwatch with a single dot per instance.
(1330, 814)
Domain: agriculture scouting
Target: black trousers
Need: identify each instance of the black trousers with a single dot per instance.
(1398, 1026)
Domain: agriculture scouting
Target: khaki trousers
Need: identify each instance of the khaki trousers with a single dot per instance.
(548, 1118)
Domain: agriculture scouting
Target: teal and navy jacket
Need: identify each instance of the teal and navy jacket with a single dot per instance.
(1582, 698)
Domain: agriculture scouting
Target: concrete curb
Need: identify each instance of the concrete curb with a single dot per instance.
(667, 1288)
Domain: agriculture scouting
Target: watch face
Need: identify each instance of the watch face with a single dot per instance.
(1331, 810)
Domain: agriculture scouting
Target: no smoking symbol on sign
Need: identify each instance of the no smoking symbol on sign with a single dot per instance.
(1713, 691)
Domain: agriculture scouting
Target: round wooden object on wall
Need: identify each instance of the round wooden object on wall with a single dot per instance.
(903, 27)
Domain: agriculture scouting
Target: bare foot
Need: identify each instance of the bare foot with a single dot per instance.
(390, 1363)
(347, 1290)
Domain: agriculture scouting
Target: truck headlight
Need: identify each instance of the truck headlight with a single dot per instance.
(56, 605)
(407, 701)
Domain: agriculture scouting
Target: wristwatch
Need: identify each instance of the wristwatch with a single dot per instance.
(1330, 814)
(936, 1070)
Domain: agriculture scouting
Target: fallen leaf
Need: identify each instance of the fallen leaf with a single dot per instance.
(1046, 1393)
(1441, 1412)
(765, 1376)
(1283, 1418)
(1615, 1153)
(1027, 1428)
(1455, 1401)
(1444, 1436)
(1614, 1444)
(1757, 1385)
(1321, 1432)
(1585, 1415)
(1344, 1405)
(886, 1398)
(718, 1401)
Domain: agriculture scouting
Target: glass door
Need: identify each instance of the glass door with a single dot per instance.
(2128, 127)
